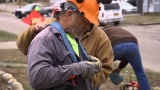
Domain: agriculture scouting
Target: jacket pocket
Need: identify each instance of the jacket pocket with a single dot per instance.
(63, 56)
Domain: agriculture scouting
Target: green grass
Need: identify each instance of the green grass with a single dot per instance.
(20, 73)
(12, 56)
(5, 36)
(24, 3)
(138, 19)
(153, 78)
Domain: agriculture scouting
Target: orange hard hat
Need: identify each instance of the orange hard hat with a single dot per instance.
(89, 8)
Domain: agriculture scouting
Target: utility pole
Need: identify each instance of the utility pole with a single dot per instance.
(140, 6)
(13, 1)
(6, 4)
(19, 3)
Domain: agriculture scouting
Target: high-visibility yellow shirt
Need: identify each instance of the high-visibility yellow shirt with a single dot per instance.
(37, 8)
(74, 44)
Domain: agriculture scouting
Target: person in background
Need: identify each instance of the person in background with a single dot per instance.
(37, 8)
(94, 40)
(125, 48)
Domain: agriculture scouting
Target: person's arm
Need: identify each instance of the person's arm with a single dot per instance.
(97, 44)
(42, 55)
(105, 54)
(26, 36)
(41, 72)
(123, 63)
(24, 39)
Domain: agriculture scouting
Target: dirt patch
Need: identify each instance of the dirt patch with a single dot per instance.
(20, 73)
(2, 10)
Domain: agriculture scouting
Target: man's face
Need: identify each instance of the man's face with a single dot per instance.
(78, 25)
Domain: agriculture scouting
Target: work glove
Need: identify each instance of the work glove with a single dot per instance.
(90, 67)
(97, 61)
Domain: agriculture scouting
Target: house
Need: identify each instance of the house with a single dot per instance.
(151, 6)
(121, 0)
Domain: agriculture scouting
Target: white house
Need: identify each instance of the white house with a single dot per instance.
(151, 6)
(121, 0)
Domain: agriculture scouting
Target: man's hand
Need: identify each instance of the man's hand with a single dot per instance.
(90, 67)
(97, 62)
(39, 26)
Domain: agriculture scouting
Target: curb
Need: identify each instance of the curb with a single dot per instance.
(142, 24)
(13, 64)
(150, 23)
(10, 81)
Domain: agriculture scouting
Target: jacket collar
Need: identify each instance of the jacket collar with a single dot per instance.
(89, 32)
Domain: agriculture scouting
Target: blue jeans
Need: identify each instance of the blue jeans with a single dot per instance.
(97, 88)
(130, 52)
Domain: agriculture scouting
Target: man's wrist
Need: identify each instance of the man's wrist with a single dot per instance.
(76, 68)
(119, 68)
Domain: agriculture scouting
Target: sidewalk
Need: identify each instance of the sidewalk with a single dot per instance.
(8, 45)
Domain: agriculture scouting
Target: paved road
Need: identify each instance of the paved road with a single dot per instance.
(9, 7)
(10, 23)
(149, 44)
(148, 37)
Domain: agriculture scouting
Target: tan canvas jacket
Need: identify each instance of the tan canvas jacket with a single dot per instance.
(95, 42)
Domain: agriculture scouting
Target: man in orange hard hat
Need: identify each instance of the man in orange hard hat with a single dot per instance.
(75, 19)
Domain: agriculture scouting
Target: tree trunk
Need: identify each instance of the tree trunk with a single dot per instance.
(13, 1)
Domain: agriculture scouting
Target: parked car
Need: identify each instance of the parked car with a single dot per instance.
(27, 9)
(127, 8)
(110, 13)
(132, 2)
(57, 3)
